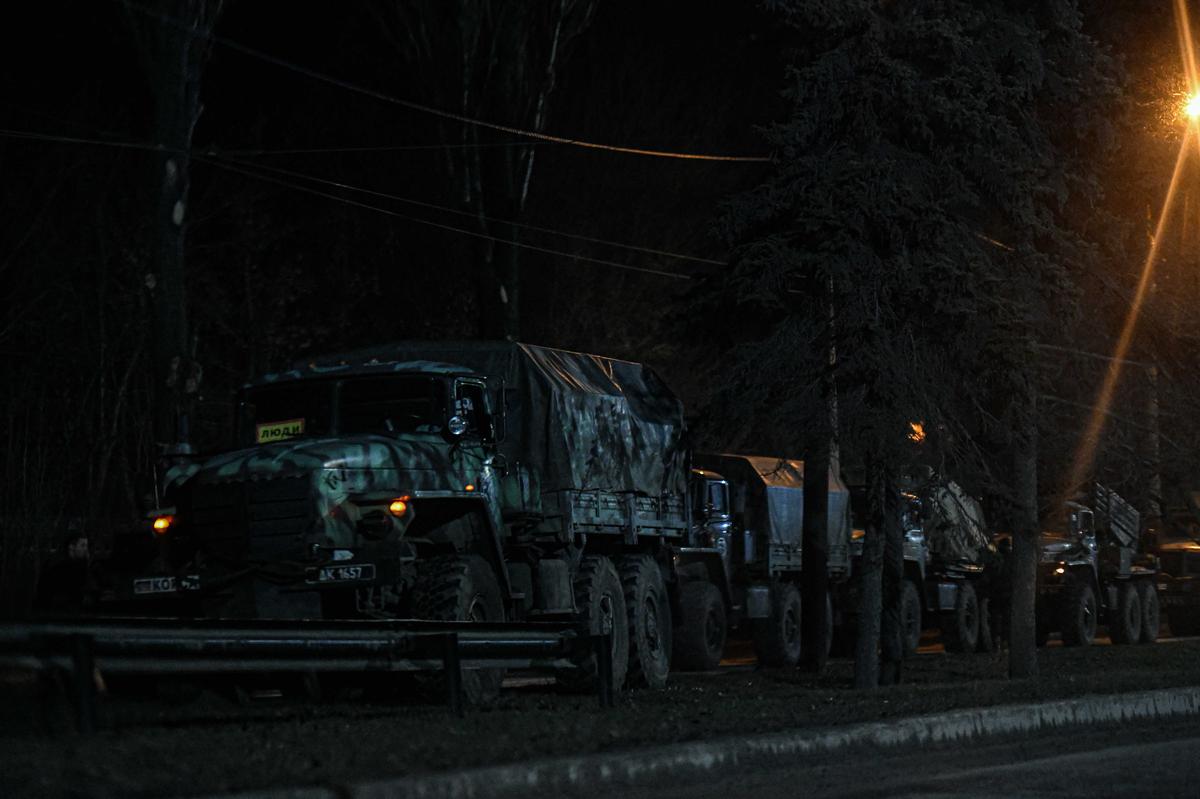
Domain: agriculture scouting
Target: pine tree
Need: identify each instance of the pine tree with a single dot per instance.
(918, 227)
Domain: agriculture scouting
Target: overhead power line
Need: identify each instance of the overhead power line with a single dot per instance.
(223, 164)
(218, 158)
(374, 148)
(426, 109)
(470, 214)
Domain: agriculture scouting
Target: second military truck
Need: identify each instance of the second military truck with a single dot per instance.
(743, 561)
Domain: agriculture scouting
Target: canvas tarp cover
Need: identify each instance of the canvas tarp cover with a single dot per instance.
(583, 421)
(955, 529)
(775, 495)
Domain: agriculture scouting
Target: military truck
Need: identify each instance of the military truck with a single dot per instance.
(952, 591)
(1091, 570)
(1179, 583)
(1177, 547)
(742, 563)
(947, 555)
(460, 481)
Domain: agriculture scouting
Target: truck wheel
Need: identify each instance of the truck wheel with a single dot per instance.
(649, 615)
(910, 616)
(1079, 613)
(600, 601)
(960, 627)
(700, 640)
(1181, 623)
(1126, 624)
(1151, 620)
(777, 638)
(462, 589)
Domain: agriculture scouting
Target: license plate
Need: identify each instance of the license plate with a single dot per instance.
(340, 574)
(166, 585)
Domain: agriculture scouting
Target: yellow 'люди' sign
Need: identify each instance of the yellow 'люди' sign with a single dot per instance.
(277, 431)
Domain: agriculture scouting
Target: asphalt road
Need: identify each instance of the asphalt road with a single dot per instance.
(1158, 760)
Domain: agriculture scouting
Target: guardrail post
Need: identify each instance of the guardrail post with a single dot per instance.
(453, 668)
(602, 647)
(83, 683)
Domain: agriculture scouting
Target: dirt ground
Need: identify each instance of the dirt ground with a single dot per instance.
(191, 743)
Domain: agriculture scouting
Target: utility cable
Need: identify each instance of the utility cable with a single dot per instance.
(222, 164)
(213, 156)
(458, 212)
(426, 109)
(373, 148)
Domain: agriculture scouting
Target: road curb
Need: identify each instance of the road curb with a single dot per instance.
(613, 770)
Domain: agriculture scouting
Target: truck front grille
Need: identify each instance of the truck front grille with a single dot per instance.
(262, 520)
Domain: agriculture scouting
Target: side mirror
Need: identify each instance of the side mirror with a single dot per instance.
(456, 426)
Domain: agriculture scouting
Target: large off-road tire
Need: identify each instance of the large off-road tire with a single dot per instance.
(649, 613)
(1078, 613)
(600, 601)
(462, 589)
(699, 641)
(1125, 622)
(910, 616)
(777, 638)
(1151, 613)
(960, 627)
(1183, 621)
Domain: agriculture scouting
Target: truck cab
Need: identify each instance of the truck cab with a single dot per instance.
(712, 514)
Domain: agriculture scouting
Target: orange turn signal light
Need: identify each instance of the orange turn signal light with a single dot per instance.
(162, 524)
(398, 506)
(469, 487)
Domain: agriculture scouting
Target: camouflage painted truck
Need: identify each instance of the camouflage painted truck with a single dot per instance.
(1091, 571)
(1179, 571)
(473, 481)
(742, 563)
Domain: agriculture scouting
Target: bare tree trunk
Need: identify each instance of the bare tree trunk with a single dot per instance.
(892, 630)
(174, 48)
(866, 652)
(1022, 651)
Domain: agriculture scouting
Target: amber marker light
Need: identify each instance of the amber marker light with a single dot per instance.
(162, 524)
(469, 487)
(398, 506)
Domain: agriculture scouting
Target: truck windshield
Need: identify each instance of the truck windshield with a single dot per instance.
(391, 404)
(375, 404)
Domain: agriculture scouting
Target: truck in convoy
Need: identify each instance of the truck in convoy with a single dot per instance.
(949, 562)
(742, 562)
(954, 585)
(455, 481)
(1091, 571)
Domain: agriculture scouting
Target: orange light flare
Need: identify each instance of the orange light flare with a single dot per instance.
(1191, 107)
(1086, 455)
(916, 432)
(162, 524)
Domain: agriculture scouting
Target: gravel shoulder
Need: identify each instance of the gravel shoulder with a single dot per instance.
(186, 745)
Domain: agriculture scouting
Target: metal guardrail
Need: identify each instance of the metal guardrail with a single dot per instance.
(79, 647)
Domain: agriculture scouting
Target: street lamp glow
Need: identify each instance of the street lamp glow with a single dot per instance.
(1192, 107)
